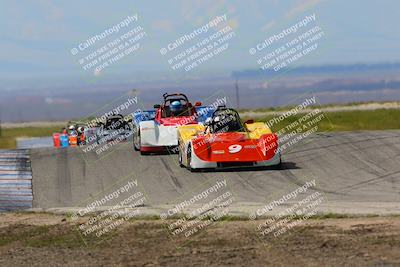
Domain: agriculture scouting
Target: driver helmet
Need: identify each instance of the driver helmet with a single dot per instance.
(176, 107)
(80, 129)
(72, 130)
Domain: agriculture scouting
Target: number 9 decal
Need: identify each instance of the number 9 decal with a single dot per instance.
(234, 148)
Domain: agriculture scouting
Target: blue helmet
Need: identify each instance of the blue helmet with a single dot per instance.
(176, 106)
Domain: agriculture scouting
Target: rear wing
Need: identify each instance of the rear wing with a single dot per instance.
(169, 98)
(143, 115)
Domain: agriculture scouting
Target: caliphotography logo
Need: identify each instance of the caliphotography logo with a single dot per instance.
(108, 128)
(101, 216)
(198, 210)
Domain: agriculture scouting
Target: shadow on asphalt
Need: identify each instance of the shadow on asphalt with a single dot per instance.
(284, 166)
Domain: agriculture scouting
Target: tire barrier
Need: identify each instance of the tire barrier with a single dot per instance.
(15, 180)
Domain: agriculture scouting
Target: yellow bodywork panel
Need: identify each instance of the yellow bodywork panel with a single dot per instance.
(257, 129)
(187, 132)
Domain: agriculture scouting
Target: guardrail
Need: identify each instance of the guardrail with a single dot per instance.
(15, 180)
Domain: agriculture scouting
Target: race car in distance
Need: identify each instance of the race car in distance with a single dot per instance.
(73, 135)
(114, 128)
(225, 142)
(156, 130)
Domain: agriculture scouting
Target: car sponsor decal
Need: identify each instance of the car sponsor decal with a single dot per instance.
(263, 147)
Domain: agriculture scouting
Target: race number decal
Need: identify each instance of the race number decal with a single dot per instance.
(234, 148)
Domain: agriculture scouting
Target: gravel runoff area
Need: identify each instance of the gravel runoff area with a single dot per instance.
(41, 239)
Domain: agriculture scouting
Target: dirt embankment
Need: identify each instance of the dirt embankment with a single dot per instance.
(51, 240)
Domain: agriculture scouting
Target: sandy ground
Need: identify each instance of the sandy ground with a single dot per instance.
(53, 240)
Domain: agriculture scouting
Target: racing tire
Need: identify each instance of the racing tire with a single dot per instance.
(189, 159)
(134, 145)
(180, 159)
(279, 165)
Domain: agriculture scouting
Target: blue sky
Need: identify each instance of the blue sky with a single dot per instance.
(37, 36)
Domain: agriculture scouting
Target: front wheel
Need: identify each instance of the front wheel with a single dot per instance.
(189, 159)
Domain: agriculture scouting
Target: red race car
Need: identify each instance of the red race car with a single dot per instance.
(226, 142)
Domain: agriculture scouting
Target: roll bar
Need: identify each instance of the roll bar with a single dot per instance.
(168, 96)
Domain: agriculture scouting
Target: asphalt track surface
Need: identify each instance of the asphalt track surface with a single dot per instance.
(356, 173)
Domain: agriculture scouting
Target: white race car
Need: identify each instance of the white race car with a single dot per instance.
(156, 130)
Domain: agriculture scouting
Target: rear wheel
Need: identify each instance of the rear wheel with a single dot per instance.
(279, 165)
(134, 146)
